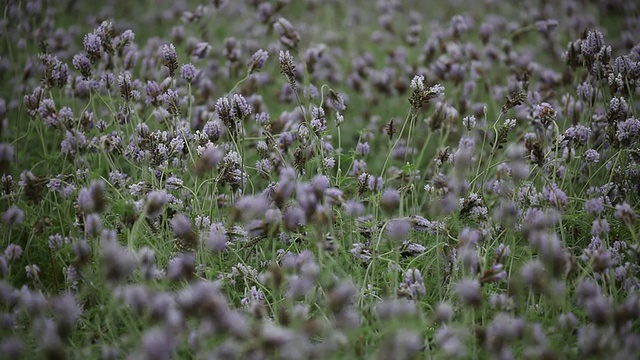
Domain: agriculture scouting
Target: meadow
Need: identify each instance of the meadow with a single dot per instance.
(304, 179)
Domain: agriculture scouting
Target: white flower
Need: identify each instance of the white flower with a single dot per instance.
(417, 82)
(510, 123)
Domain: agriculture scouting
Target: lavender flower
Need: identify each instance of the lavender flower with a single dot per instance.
(591, 156)
(92, 225)
(451, 342)
(169, 58)
(421, 94)
(12, 252)
(209, 159)
(13, 216)
(401, 344)
(181, 226)
(83, 64)
(93, 47)
(117, 262)
(443, 313)
(174, 183)
(250, 208)
(390, 200)
(288, 35)
(397, 229)
(188, 73)
(287, 68)
(12, 347)
(181, 267)
(469, 292)
(257, 60)
(156, 200)
(67, 312)
(594, 206)
(158, 343)
(413, 285)
(625, 212)
(33, 271)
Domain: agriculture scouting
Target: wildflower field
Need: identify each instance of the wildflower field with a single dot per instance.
(320, 179)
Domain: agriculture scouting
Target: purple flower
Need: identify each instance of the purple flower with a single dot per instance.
(451, 342)
(397, 229)
(117, 261)
(154, 94)
(288, 35)
(83, 64)
(217, 240)
(599, 227)
(354, 208)
(329, 162)
(286, 186)
(188, 72)
(501, 302)
(159, 344)
(443, 313)
(241, 106)
(250, 208)
(401, 344)
(318, 120)
(413, 285)
(503, 330)
(628, 130)
(156, 200)
(336, 101)
(174, 183)
(592, 44)
(147, 261)
(257, 60)
(74, 142)
(92, 225)
(171, 102)
(469, 237)
(625, 212)
(201, 50)
(534, 275)
(13, 216)
(594, 206)
(91, 199)
(181, 267)
(555, 196)
(12, 347)
(294, 217)
(395, 308)
(66, 312)
(567, 321)
(362, 148)
(469, 122)
(421, 224)
(7, 154)
(390, 200)
(12, 252)
(469, 292)
(262, 118)
(181, 225)
(33, 271)
(591, 156)
(56, 241)
(93, 46)
(287, 67)
(209, 159)
(169, 58)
